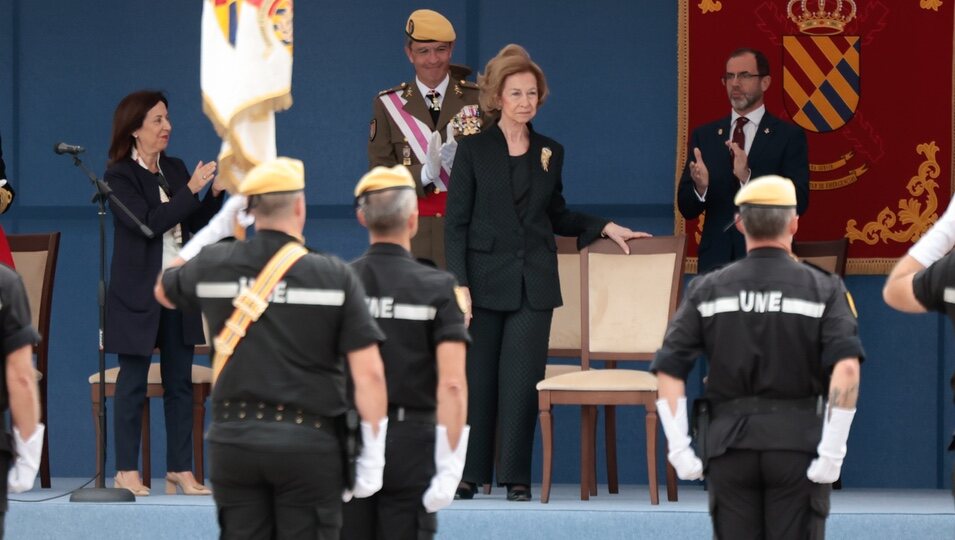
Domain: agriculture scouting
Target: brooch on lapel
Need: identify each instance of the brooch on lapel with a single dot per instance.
(545, 157)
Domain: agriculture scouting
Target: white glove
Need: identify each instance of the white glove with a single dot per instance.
(431, 168)
(449, 466)
(448, 149)
(23, 472)
(676, 426)
(370, 466)
(832, 447)
(221, 226)
(938, 241)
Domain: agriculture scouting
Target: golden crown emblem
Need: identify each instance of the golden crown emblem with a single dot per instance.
(822, 21)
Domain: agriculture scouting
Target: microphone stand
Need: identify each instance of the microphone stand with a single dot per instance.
(101, 493)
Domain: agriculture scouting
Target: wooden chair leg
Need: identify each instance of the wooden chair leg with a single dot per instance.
(198, 423)
(547, 441)
(652, 457)
(672, 495)
(45, 453)
(586, 451)
(100, 479)
(147, 455)
(610, 441)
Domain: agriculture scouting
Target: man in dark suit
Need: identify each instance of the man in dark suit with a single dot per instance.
(411, 120)
(726, 153)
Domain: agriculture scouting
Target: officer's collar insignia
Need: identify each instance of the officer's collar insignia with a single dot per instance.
(457, 90)
(852, 304)
(462, 299)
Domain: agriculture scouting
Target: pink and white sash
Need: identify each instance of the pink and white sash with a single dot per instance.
(415, 131)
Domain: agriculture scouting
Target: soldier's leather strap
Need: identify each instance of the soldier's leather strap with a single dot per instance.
(251, 303)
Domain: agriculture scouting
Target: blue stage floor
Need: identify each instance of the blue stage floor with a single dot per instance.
(856, 513)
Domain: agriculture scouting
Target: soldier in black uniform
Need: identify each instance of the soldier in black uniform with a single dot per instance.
(777, 333)
(417, 308)
(922, 279)
(275, 439)
(20, 454)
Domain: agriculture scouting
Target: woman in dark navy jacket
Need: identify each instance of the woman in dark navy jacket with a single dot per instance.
(504, 207)
(161, 193)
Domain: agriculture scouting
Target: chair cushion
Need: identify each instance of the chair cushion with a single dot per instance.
(200, 375)
(602, 380)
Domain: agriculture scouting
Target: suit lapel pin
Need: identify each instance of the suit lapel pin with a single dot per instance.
(766, 131)
(719, 131)
(545, 158)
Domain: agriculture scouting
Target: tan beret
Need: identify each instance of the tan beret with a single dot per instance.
(274, 176)
(768, 190)
(428, 25)
(384, 178)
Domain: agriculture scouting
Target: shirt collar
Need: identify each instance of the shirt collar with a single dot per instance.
(136, 157)
(769, 252)
(755, 117)
(442, 87)
(387, 248)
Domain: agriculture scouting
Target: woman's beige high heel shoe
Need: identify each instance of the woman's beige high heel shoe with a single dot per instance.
(184, 483)
(132, 484)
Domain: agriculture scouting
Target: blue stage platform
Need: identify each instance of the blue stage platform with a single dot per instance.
(856, 513)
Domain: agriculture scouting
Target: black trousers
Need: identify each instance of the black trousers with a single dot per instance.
(396, 512)
(277, 495)
(6, 460)
(766, 495)
(506, 360)
(176, 367)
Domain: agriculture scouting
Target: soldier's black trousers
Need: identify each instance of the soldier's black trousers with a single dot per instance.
(396, 512)
(506, 360)
(276, 495)
(766, 495)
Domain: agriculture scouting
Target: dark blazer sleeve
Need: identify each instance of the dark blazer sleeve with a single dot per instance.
(687, 201)
(564, 221)
(460, 206)
(131, 188)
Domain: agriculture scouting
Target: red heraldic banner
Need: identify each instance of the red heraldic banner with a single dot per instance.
(871, 83)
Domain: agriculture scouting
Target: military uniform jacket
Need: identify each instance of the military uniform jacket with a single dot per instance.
(778, 148)
(772, 327)
(386, 143)
(488, 247)
(293, 355)
(934, 287)
(415, 306)
(17, 327)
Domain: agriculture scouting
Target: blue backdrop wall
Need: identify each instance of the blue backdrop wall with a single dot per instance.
(612, 69)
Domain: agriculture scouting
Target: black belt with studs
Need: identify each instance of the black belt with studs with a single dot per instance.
(260, 411)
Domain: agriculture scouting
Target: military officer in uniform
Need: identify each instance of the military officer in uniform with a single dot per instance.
(778, 334)
(19, 454)
(276, 438)
(921, 279)
(416, 306)
(417, 124)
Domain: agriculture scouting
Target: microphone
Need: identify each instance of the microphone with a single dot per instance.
(63, 148)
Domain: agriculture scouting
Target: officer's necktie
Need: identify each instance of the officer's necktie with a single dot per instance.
(434, 107)
(738, 136)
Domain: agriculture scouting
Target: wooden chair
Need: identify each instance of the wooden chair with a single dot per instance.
(626, 302)
(829, 255)
(35, 258)
(201, 390)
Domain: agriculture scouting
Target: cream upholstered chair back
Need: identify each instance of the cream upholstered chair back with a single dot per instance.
(565, 325)
(631, 298)
(31, 265)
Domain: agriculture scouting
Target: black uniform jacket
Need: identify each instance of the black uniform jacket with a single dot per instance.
(778, 148)
(934, 287)
(772, 327)
(293, 356)
(488, 247)
(132, 313)
(415, 305)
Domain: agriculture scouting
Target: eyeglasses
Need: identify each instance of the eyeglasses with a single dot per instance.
(742, 76)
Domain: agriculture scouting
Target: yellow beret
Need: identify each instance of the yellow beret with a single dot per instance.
(428, 25)
(382, 178)
(769, 190)
(274, 176)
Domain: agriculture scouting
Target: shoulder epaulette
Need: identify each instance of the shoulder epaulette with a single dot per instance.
(398, 88)
(468, 84)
